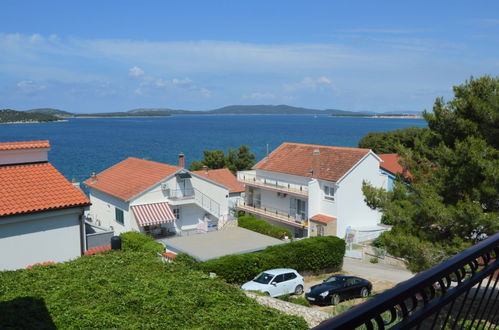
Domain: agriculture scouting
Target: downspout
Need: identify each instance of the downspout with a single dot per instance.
(82, 232)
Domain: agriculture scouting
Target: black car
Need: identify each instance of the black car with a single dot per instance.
(337, 288)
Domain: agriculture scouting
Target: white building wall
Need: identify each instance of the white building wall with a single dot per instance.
(155, 194)
(30, 239)
(216, 192)
(190, 215)
(352, 210)
(24, 156)
(102, 211)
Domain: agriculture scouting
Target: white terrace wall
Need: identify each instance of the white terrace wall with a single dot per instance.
(218, 193)
(352, 210)
(49, 236)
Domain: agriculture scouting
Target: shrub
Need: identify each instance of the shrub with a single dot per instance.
(138, 242)
(299, 300)
(128, 290)
(315, 254)
(374, 260)
(262, 227)
(186, 260)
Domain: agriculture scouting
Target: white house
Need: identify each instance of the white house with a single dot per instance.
(313, 190)
(155, 198)
(41, 212)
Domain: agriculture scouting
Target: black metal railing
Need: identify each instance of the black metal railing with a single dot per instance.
(461, 292)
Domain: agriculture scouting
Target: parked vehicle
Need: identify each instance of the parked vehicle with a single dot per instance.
(276, 282)
(337, 288)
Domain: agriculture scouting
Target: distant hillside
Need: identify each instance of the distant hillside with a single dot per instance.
(249, 110)
(13, 116)
(52, 112)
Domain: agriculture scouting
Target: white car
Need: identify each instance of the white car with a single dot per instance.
(276, 282)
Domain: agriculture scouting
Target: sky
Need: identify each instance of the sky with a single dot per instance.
(99, 56)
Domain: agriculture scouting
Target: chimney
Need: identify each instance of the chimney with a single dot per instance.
(93, 177)
(181, 160)
(315, 163)
(205, 169)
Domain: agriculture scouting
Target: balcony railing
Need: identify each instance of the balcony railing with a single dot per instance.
(461, 292)
(178, 194)
(251, 179)
(296, 220)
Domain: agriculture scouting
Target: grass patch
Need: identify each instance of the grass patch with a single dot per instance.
(263, 227)
(299, 300)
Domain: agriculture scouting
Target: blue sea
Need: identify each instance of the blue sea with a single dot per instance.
(81, 146)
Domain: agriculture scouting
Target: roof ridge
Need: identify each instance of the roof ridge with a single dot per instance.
(325, 146)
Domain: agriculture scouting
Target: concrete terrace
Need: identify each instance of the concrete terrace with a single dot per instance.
(215, 244)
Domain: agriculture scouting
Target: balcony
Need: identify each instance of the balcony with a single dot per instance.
(295, 220)
(461, 292)
(249, 178)
(189, 196)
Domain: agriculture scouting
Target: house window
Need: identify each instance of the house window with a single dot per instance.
(320, 230)
(119, 216)
(176, 212)
(329, 192)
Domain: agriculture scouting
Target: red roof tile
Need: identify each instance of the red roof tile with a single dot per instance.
(130, 177)
(391, 164)
(169, 255)
(322, 218)
(36, 187)
(24, 145)
(223, 176)
(297, 159)
(96, 250)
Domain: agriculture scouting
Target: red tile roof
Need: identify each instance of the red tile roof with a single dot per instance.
(130, 177)
(36, 187)
(322, 218)
(391, 164)
(25, 145)
(223, 176)
(169, 255)
(297, 159)
(96, 250)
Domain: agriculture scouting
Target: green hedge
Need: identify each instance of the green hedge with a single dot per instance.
(315, 254)
(263, 227)
(138, 242)
(128, 290)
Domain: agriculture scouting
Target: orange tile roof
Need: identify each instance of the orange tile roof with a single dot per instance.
(36, 187)
(223, 176)
(96, 250)
(24, 145)
(130, 177)
(297, 159)
(391, 164)
(322, 218)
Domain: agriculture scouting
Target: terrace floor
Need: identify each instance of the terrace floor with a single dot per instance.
(215, 244)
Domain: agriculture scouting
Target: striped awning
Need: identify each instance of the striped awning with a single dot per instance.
(153, 214)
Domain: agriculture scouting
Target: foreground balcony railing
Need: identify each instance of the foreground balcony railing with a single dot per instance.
(295, 220)
(461, 292)
(249, 178)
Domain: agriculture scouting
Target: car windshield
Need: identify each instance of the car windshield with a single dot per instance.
(263, 278)
(335, 279)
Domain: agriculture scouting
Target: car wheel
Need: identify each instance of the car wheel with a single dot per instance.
(364, 292)
(299, 289)
(335, 299)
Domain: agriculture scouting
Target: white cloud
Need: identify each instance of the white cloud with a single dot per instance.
(259, 96)
(136, 72)
(30, 86)
(321, 83)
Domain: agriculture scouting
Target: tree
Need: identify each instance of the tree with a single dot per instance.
(236, 160)
(388, 142)
(452, 200)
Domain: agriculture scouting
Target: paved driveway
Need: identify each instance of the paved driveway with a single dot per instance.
(215, 244)
(378, 271)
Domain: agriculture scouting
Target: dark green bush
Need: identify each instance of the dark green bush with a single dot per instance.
(315, 254)
(262, 227)
(186, 260)
(128, 290)
(138, 242)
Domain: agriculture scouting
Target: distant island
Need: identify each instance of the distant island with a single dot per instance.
(8, 116)
(51, 114)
